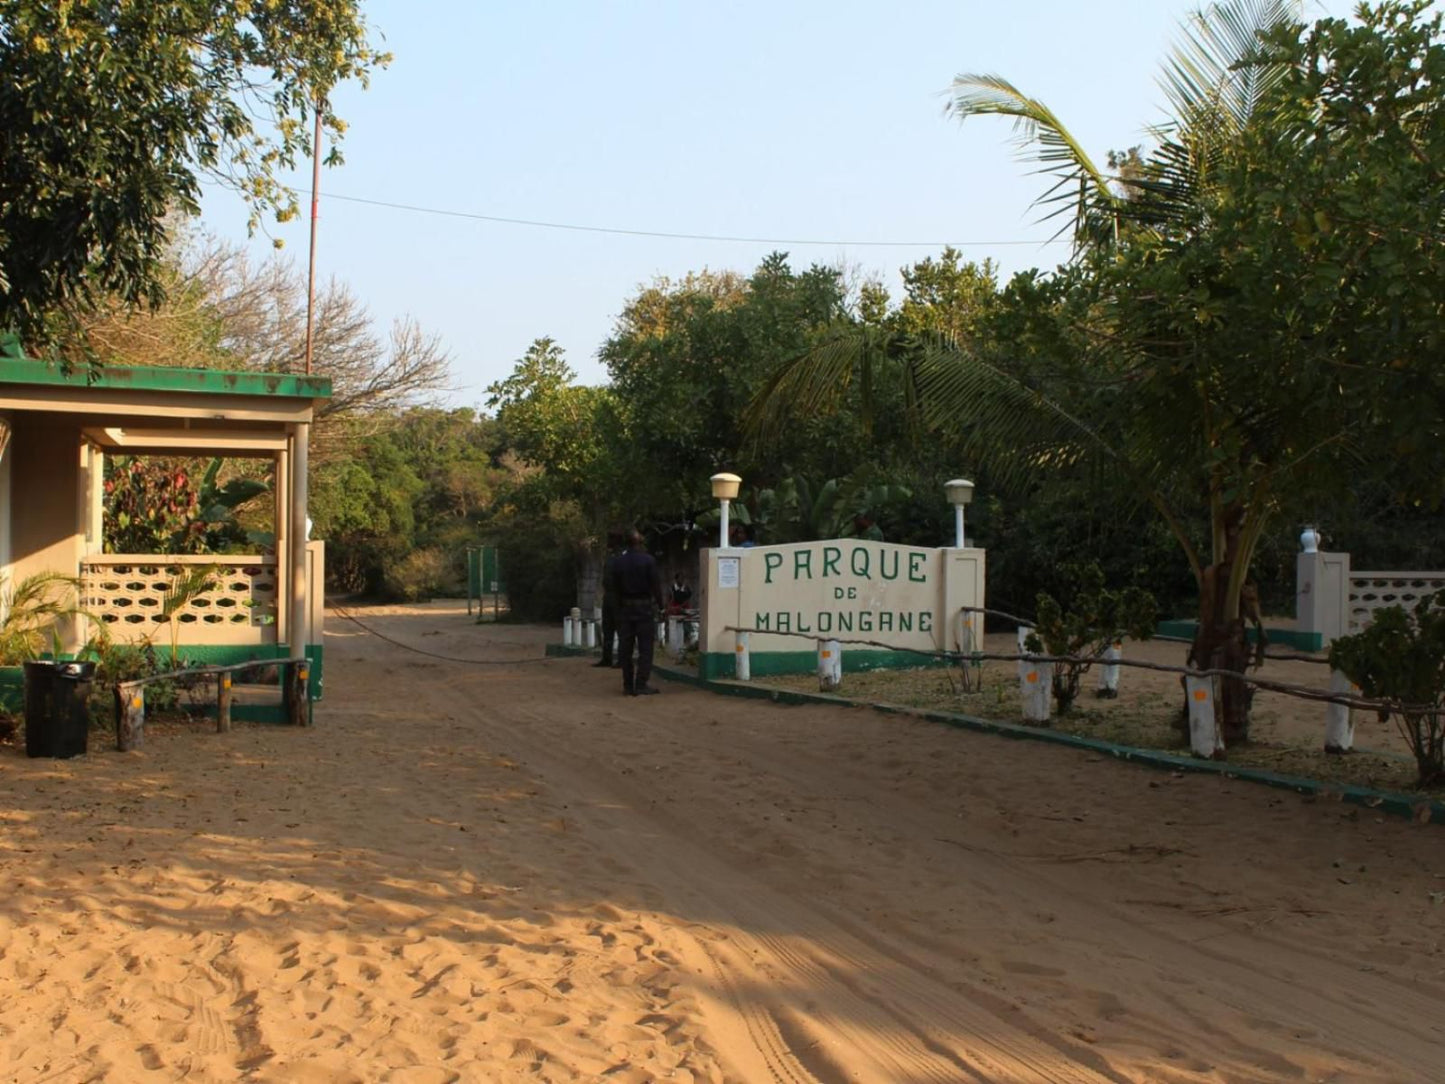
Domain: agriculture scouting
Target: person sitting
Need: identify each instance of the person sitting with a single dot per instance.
(681, 593)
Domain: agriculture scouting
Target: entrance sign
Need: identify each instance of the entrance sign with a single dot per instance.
(903, 599)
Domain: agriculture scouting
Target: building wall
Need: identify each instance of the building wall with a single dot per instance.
(46, 526)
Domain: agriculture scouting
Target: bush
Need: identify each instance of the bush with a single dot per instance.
(420, 575)
(1401, 659)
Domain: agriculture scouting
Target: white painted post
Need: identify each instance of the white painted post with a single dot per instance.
(567, 631)
(1035, 686)
(830, 665)
(616, 645)
(589, 629)
(1205, 740)
(1109, 672)
(744, 667)
(674, 637)
(1339, 718)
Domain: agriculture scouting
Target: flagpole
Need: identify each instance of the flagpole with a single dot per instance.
(315, 202)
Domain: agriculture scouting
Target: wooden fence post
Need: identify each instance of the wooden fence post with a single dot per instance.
(223, 704)
(130, 717)
(297, 694)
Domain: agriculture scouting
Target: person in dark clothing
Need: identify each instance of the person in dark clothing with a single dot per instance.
(638, 584)
(681, 593)
(609, 600)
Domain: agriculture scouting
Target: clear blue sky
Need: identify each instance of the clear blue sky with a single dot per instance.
(783, 119)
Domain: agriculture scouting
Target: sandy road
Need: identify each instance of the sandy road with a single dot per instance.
(514, 873)
(861, 898)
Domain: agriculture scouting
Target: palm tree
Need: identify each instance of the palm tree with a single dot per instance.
(1130, 395)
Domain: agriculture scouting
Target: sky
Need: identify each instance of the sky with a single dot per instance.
(787, 121)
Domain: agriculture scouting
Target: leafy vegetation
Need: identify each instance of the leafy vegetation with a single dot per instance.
(1089, 618)
(1401, 658)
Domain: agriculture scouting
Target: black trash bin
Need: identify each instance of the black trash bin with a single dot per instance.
(57, 718)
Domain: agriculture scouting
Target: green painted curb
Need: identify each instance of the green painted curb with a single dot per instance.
(1399, 805)
(1301, 641)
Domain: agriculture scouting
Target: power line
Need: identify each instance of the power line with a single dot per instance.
(727, 238)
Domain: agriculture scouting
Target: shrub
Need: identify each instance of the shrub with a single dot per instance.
(420, 575)
(1088, 620)
(1400, 658)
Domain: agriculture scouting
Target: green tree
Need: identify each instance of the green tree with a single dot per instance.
(1257, 322)
(112, 112)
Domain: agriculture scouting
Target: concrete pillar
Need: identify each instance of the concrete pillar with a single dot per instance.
(830, 665)
(298, 633)
(1339, 718)
(1109, 672)
(1322, 594)
(744, 665)
(1036, 681)
(1205, 739)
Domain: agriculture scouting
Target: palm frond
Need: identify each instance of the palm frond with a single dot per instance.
(1214, 77)
(1082, 187)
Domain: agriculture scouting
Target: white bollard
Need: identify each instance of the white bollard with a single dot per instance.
(1339, 718)
(661, 633)
(566, 632)
(830, 665)
(674, 637)
(1205, 740)
(1035, 686)
(744, 666)
(1109, 672)
(616, 646)
(589, 634)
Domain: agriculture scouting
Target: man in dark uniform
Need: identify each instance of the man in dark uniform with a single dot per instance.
(638, 585)
(609, 599)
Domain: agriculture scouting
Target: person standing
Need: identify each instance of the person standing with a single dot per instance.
(609, 599)
(638, 584)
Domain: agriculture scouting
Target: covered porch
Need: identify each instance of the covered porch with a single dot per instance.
(57, 430)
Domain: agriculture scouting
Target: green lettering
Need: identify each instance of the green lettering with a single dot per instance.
(885, 621)
(905, 622)
(865, 621)
(831, 556)
(925, 621)
(865, 571)
(802, 627)
(883, 564)
(825, 622)
(785, 622)
(762, 621)
(770, 562)
(803, 563)
(845, 622)
(915, 567)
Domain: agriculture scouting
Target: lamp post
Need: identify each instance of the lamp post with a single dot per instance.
(960, 492)
(724, 489)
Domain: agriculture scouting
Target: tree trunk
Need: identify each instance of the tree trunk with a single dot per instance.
(1221, 643)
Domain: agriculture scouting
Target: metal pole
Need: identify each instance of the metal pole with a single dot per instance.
(297, 628)
(315, 201)
(958, 525)
(723, 527)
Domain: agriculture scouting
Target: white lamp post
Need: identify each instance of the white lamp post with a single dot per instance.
(960, 492)
(724, 489)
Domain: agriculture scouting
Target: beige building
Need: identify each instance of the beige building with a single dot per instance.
(57, 429)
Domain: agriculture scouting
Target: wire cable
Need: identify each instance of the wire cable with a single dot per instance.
(668, 235)
(341, 612)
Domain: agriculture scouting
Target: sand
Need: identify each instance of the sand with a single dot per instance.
(514, 873)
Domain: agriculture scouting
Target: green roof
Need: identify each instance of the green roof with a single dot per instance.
(19, 370)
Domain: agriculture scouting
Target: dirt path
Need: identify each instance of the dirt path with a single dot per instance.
(500, 873)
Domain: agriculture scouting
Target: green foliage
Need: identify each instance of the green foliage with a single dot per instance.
(1089, 618)
(1400, 658)
(113, 112)
(32, 610)
(115, 663)
(154, 506)
(421, 575)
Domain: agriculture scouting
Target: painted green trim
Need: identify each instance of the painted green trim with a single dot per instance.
(1300, 641)
(1400, 805)
(12, 688)
(149, 378)
(715, 665)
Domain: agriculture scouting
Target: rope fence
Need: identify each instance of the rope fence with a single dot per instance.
(1303, 692)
